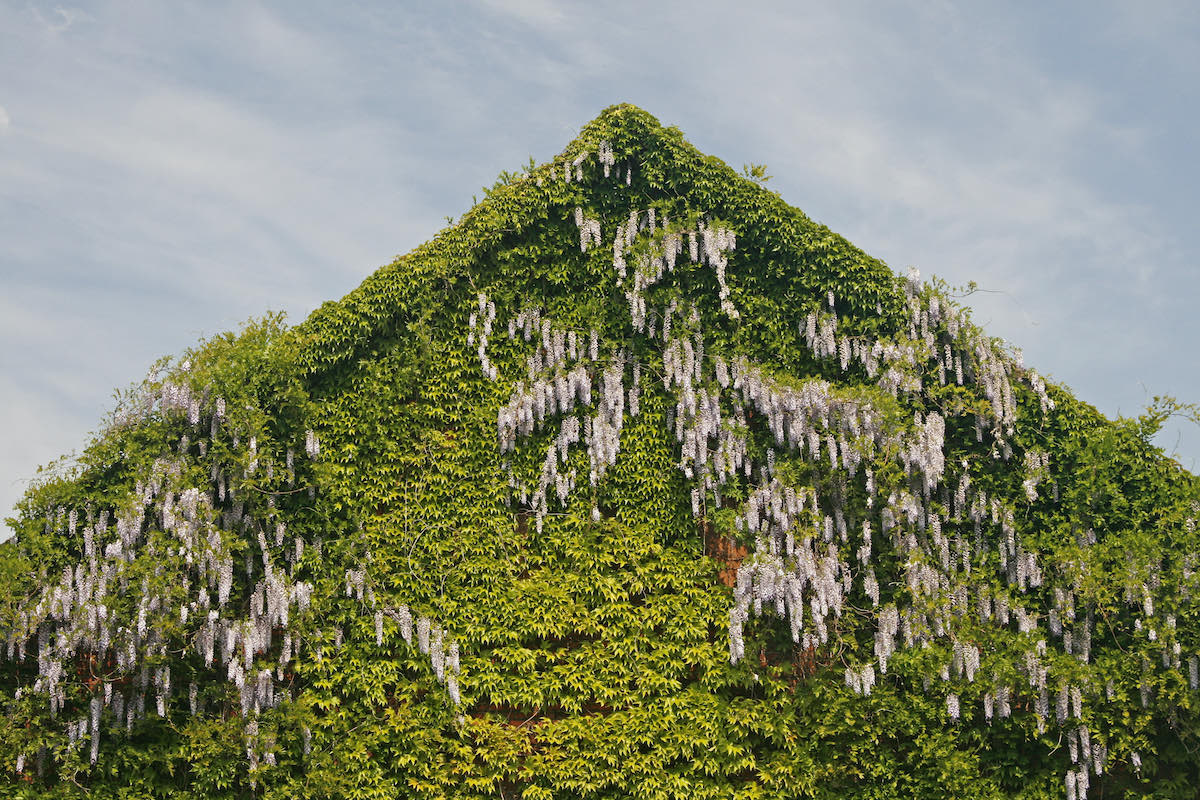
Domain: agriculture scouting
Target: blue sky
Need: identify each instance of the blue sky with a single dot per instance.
(169, 170)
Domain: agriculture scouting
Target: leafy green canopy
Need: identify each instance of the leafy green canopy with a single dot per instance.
(634, 482)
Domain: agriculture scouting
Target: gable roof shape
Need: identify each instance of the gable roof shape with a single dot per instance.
(665, 165)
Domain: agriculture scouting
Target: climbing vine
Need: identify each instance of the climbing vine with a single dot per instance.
(632, 482)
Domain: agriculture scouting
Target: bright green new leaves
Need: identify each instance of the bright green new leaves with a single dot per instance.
(595, 655)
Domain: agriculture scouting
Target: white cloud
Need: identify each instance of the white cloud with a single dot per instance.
(539, 14)
(4, 120)
(58, 19)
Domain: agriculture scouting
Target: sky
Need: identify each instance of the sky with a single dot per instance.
(169, 170)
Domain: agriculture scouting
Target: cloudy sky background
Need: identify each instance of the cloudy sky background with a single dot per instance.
(169, 170)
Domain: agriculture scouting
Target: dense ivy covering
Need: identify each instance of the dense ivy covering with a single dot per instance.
(634, 482)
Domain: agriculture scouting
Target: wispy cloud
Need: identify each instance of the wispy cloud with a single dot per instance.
(540, 14)
(58, 19)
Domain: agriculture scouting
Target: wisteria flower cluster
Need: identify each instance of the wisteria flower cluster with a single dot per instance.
(158, 574)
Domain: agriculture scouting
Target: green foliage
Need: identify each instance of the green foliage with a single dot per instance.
(756, 173)
(595, 652)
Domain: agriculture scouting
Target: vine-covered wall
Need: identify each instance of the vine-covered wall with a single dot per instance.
(634, 482)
